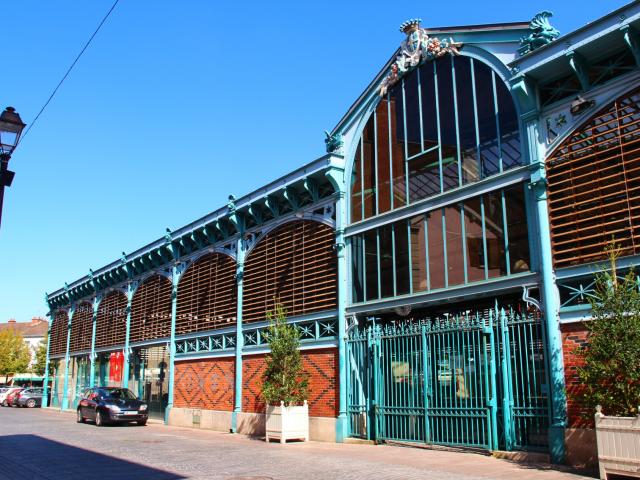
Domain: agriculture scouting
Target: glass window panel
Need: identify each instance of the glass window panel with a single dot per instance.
(386, 261)
(371, 264)
(429, 114)
(517, 230)
(489, 153)
(424, 178)
(356, 187)
(411, 106)
(446, 104)
(368, 174)
(418, 254)
(509, 132)
(402, 257)
(436, 249)
(473, 234)
(357, 269)
(494, 233)
(382, 151)
(397, 147)
(455, 259)
(466, 120)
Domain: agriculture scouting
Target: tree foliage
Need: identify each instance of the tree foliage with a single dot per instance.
(611, 371)
(284, 378)
(41, 358)
(14, 352)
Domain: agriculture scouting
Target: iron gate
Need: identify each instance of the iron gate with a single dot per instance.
(469, 380)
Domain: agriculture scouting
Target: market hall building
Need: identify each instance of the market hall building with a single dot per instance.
(437, 260)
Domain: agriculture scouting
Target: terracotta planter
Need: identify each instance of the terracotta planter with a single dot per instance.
(287, 422)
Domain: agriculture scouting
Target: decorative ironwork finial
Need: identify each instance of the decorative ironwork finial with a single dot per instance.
(542, 33)
(334, 142)
(416, 49)
(410, 25)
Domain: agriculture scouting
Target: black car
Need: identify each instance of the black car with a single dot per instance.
(112, 405)
(29, 397)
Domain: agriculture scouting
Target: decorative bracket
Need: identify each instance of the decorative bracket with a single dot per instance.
(334, 142)
(528, 299)
(580, 67)
(632, 39)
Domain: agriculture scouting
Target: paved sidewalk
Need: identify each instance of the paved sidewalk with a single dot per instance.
(44, 444)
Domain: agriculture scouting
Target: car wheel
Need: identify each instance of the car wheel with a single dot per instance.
(99, 419)
(141, 423)
(80, 418)
(31, 403)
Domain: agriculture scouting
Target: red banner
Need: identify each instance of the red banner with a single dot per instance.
(116, 364)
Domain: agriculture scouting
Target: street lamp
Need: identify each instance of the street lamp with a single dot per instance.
(10, 129)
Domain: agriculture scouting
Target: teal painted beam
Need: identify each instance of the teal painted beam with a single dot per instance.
(45, 385)
(237, 402)
(176, 272)
(336, 177)
(92, 356)
(65, 387)
(550, 298)
(131, 288)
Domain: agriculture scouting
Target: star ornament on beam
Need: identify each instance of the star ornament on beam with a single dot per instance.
(416, 49)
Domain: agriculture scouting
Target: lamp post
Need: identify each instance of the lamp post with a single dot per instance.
(10, 129)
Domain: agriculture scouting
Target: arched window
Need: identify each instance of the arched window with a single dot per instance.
(450, 122)
(594, 185)
(81, 328)
(294, 265)
(58, 341)
(207, 294)
(111, 321)
(151, 310)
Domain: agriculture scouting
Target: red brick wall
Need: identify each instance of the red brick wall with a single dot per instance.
(322, 367)
(574, 335)
(207, 384)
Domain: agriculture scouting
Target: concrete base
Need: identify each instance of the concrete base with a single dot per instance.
(523, 457)
(581, 448)
(321, 429)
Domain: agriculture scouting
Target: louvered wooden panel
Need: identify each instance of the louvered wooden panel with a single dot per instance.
(81, 328)
(58, 342)
(594, 185)
(207, 294)
(151, 310)
(294, 265)
(111, 322)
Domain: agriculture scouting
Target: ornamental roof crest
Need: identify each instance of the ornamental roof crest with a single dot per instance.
(416, 49)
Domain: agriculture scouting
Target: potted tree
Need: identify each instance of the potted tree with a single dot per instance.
(610, 370)
(285, 384)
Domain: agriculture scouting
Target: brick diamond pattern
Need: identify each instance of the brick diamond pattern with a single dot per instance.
(206, 384)
(322, 368)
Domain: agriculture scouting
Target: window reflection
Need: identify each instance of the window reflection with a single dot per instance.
(450, 122)
(458, 244)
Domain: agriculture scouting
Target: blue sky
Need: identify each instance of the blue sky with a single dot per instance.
(178, 104)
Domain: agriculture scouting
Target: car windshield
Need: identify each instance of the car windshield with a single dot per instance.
(119, 393)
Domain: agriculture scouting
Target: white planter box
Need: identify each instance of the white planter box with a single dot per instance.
(287, 423)
(618, 445)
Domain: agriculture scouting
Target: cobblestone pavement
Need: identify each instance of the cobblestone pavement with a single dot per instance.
(45, 444)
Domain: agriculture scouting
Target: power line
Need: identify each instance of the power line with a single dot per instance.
(55, 90)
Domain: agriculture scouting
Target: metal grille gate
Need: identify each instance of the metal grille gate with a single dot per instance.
(469, 380)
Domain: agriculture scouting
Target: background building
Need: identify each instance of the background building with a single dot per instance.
(33, 333)
(437, 260)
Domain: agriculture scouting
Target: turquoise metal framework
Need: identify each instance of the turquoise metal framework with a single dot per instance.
(475, 380)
